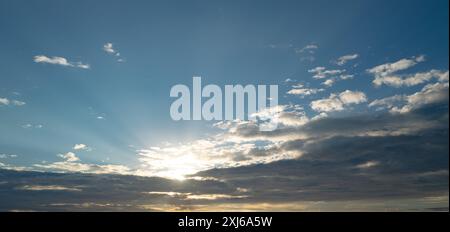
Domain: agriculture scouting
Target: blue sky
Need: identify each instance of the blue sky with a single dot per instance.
(113, 100)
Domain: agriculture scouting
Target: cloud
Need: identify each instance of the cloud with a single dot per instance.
(337, 102)
(352, 97)
(389, 68)
(307, 53)
(18, 103)
(310, 48)
(72, 163)
(328, 82)
(370, 162)
(69, 157)
(81, 146)
(108, 48)
(411, 80)
(4, 101)
(386, 74)
(5, 156)
(30, 126)
(321, 72)
(48, 188)
(429, 94)
(304, 91)
(344, 59)
(56, 60)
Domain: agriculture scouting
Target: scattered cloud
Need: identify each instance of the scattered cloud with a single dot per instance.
(337, 102)
(411, 80)
(307, 52)
(108, 48)
(6, 101)
(386, 74)
(321, 72)
(429, 94)
(310, 48)
(32, 126)
(302, 92)
(69, 157)
(344, 59)
(56, 60)
(81, 146)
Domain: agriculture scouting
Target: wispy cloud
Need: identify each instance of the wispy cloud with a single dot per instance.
(321, 72)
(6, 101)
(109, 48)
(56, 60)
(344, 59)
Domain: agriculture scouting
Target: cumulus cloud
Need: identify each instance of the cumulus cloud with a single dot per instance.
(386, 74)
(56, 60)
(389, 68)
(344, 59)
(383, 160)
(411, 80)
(429, 94)
(337, 102)
(69, 157)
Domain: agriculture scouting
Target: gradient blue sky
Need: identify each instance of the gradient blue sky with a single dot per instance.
(164, 43)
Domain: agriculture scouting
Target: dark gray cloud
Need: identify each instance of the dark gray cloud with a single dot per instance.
(374, 160)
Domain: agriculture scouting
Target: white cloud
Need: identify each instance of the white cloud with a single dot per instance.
(329, 82)
(329, 104)
(389, 68)
(4, 101)
(344, 59)
(29, 125)
(385, 74)
(49, 188)
(304, 91)
(368, 164)
(108, 47)
(337, 102)
(69, 157)
(71, 164)
(56, 60)
(322, 72)
(387, 102)
(429, 94)
(411, 80)
(81, 146)
(352, 97)
(310, 48)
(346, 76)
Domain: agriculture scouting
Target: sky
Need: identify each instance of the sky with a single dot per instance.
(363, 105)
